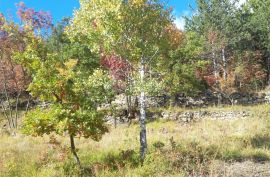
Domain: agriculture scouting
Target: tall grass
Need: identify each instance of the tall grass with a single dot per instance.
(174, 149)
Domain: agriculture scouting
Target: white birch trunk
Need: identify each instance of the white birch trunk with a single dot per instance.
(215, 65)
(215, 72)
(143, 141)
(224, 64)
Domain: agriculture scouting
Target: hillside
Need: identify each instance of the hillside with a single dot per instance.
(119, 88)
(206, 147)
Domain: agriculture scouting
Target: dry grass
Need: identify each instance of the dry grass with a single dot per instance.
(174, 149)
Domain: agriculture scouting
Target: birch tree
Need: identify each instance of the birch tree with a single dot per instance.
(132, 29)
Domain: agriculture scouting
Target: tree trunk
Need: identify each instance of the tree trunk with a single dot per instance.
(27, 105)
(128, 102)
(224, 64)
(216, 72)
(16, 109)
(73, 150)
(219, 99)
(7, 110)
(214, 63)
(115, 122)
(143, 141)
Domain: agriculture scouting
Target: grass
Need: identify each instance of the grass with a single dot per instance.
(175, 149)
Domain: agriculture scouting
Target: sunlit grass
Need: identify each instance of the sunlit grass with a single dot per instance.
(175, 149)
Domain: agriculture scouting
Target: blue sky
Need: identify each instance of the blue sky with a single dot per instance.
(64, 8)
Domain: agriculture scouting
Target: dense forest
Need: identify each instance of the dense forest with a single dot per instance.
(56, 78)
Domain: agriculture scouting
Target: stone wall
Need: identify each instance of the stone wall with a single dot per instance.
(188, 116)
(204, 100)
(183, 116)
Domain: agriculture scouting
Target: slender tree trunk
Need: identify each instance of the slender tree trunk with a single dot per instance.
(128, 102)
(115, 122)
(6, 116)
(73, 150)
(216, 72)
(215, 64)
(27, 105)
(16, 109)
(8, 110)
(129, 99)
(224, 64)
(143, 141)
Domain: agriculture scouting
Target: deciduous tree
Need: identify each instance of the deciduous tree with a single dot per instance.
(133, 30)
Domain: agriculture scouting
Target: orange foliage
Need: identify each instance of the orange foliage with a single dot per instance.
(175, 36)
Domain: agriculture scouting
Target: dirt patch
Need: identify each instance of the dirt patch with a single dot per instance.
(243, 169)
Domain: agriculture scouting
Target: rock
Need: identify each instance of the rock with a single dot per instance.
(165, 115)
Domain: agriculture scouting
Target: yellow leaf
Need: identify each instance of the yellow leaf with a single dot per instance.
(71, 63)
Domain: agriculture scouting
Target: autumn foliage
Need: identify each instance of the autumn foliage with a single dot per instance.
(34, 19)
